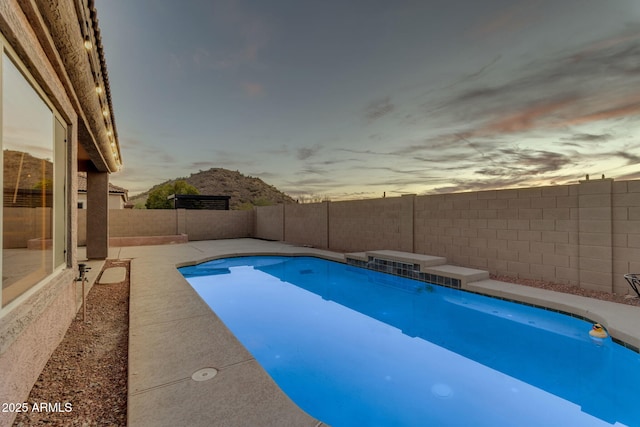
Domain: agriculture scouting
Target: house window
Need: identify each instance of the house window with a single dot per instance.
(33, 199)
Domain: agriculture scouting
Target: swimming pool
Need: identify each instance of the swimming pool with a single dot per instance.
(355, 347)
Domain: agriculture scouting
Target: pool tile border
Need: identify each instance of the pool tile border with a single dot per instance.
(403, 269)
(409, 271)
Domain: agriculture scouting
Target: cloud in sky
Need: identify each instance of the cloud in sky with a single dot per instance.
(410, 99)
(585, 137)
(378, 108)
(563, 89)
(519, 15)
(543, 103)
(253, 89)
(247, 31)
(517, 162)
(304, 153)
(542, 114)
(632, 159)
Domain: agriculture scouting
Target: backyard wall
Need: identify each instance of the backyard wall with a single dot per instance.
(211, 225)
(383, 223)
(270, 223)
(587, 234)
(196, 224)
(305, 224)
(24, 224)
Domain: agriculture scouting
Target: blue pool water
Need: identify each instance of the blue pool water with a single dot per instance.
(353, 347)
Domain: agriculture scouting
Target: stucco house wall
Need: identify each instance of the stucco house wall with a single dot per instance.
(46, 42)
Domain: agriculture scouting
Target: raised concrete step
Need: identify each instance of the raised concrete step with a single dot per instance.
(423, 261)
(433, 269)
(359, 256)
(464, 274)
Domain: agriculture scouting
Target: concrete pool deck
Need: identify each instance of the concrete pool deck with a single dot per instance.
(173, 335)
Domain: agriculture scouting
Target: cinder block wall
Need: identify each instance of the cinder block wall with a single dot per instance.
(595, 234)
(211, 225)
(142, 222)
(270, 222)
(23, 224)
(307, 224)
(528, 233)
(625, 237)
(367, 224)
(197, 224)
(586, 234)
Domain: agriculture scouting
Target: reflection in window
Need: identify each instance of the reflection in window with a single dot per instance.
(27, 149)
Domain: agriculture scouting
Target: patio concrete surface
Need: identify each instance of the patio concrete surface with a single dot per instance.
(173, 334)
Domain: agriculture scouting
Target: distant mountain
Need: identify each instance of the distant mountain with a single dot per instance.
(245, 191)
(22, 170)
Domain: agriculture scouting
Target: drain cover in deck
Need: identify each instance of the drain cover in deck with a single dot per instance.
(204, 374)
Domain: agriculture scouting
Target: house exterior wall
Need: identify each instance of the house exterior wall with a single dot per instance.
(116, 201)
(34, 323)
(81, 221)
(97, 215)
(30, 332)
(82, 201)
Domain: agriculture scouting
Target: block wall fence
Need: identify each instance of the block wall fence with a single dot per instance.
(23, 224)
(587, 234)
(196, 224)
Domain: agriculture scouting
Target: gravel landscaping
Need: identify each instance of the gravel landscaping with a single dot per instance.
(89, 367)
(630, 299)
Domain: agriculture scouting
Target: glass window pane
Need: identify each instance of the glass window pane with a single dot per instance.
(27, 151)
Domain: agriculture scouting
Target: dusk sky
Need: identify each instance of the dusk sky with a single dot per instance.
(352, 99)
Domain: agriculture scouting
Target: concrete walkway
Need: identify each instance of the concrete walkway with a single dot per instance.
(176, 343)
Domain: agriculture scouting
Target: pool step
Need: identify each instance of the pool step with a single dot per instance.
(427, 268)
(423, 261)
(463, 274)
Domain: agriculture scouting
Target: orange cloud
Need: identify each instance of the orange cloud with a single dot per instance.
(564, 112)
(253, 89)
(527, 119)
(513, 18)
(628, 109)
(606, 44)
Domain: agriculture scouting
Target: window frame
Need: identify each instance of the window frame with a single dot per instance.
(61, 156)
